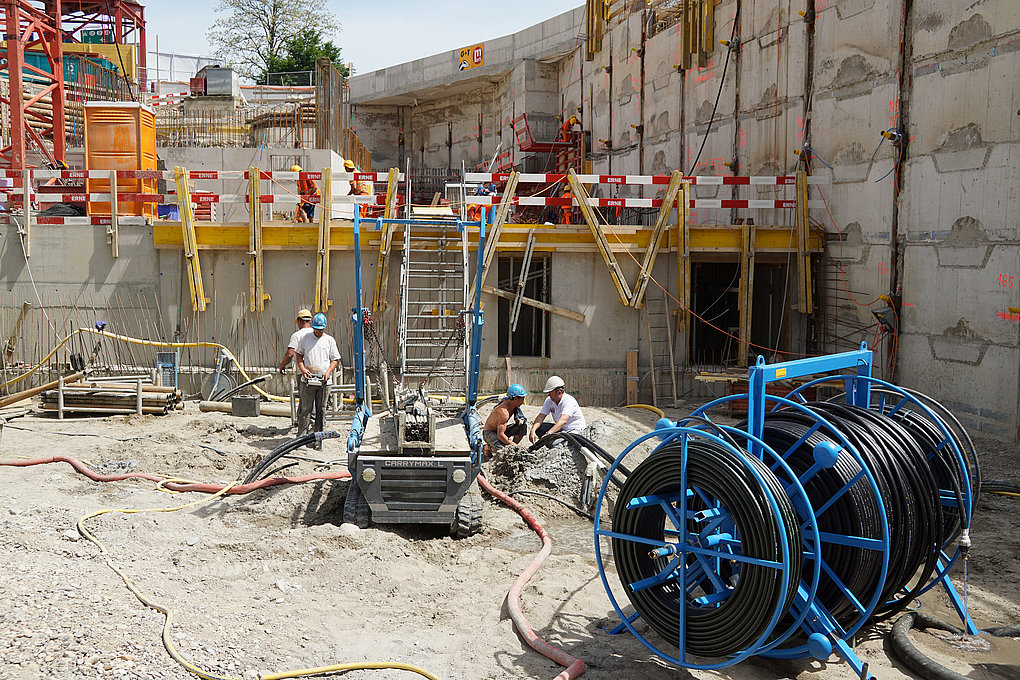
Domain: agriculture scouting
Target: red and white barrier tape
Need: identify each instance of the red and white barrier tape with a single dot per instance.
(762, 180)
(200, 174)
(644, 202)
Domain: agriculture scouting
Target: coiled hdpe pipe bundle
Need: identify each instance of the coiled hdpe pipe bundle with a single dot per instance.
(730, 545)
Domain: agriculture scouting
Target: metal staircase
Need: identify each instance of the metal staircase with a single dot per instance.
(431, 331)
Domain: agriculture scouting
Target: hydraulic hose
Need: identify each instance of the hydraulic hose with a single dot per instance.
(573, 666)
(581, 441)
(171, 483)
(217, 490)
(717, 478)
(284, 449)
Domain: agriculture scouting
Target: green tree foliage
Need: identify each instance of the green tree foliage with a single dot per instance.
(250, 34)
(299, 55)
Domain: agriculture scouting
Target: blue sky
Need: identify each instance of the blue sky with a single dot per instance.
(373, 34)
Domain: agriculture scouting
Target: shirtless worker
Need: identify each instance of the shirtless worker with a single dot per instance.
(506, 420)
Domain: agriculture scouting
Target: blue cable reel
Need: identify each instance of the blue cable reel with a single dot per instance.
(686, 544)
(952, 456)
(716, 535)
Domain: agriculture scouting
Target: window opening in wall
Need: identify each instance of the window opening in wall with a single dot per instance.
(531, 339)
(714, 297)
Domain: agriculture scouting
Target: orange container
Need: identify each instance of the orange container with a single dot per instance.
(120, 136)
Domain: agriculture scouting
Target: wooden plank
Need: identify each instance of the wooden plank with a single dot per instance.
(190, 242)
(632, 376)
(745, 293)
(683, 263)
(322, 301)
(498, 220)
(668, 201)
(256, 300)
(382, 269)
(569, 314)
(581, 196)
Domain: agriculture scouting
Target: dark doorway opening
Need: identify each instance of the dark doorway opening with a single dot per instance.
(530, 339)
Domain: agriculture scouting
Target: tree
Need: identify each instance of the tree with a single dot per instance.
(251, 34)
(299, 54)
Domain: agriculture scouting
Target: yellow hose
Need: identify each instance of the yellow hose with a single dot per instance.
(169, 616)
(147, 343)
(648, 407)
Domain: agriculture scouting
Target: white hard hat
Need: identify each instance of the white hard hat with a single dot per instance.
(553, 383)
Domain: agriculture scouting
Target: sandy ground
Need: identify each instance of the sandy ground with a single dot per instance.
(270, 581)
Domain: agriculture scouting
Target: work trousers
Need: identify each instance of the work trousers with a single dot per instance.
(312, 404)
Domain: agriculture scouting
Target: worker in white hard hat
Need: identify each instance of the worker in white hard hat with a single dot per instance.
(565, 412)
(308, 196)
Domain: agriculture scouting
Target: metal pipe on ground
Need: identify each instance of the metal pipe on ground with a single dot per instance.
(266, 408)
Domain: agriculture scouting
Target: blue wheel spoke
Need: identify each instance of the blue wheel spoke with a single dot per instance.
(786, 454)
(897, 407)
(668, 573)
(853, 541)
(634, 539)
(714, 598)
(842, 586)
(839, 494)
(733, 556)
(710, 572)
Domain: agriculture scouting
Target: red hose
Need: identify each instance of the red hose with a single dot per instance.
(574, 666)
(174, 486)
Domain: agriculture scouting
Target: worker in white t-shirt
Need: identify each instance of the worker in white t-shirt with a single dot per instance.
(317, 359)
(566, 414)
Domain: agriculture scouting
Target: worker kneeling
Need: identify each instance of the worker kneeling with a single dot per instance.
(506, 420)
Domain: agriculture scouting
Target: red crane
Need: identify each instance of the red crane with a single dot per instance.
(43, 26)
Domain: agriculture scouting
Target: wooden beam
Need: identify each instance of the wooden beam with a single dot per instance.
(632, 377)
(322, 301)
(581, 196)
(683, 261)
(498, 220)
(256, 299)
(745, 294)
(198, 299)
(113, 231)
(668, 201)
(382, 269)
(531, 302)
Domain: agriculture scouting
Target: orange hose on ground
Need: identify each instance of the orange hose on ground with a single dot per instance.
(574, 666)
(174, 486)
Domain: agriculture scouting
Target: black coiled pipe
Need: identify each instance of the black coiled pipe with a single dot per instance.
(719, 475)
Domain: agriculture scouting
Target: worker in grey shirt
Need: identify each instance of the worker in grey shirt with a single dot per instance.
(317, 358)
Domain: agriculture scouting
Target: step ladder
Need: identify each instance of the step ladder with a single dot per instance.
(659, 332)
(432, 335)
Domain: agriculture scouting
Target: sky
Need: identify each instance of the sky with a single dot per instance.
(373, 35)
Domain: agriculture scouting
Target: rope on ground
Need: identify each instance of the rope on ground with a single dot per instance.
(217, 491)
(573, 666)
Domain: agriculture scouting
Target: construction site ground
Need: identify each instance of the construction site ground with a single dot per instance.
(270, 581)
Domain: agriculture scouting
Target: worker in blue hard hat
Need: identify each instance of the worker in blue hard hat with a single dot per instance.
(506, 420)
(318, 358)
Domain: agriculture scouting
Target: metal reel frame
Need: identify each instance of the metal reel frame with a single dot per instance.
(967, 465)
(691, 543)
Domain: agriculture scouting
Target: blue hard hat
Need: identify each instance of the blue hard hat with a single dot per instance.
(516, 390)
(319, 321)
